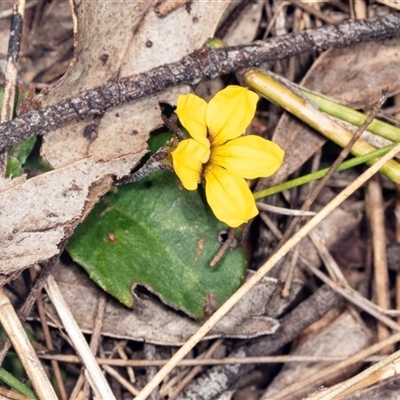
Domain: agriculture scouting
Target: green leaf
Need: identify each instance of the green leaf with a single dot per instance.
(158, 140)
(13, 382)
(158, 235)
(18, 156)
(14, 168)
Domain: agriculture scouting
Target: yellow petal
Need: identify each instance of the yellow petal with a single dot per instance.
(191, 111)
(188, 159)
(249, 157)
(229, 113)
(229, 196)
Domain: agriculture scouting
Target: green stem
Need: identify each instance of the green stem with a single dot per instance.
(280, 94)
(351, 116)
(321, 173)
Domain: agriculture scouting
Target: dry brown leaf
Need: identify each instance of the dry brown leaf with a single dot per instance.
(253, 316)
(38, 214)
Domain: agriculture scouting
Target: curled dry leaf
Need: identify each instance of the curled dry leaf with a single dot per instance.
(38, 214)
(114, 40)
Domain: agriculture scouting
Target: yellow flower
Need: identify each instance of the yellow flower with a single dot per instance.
(217, 153)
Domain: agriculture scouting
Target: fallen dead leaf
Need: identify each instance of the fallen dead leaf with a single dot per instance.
(253, 316)
(38, 214)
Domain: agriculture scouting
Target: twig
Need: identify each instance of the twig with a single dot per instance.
(284, 211)
(271, 225)
(30, 300)
(232, 17)
(149, 351)
(15, 331)
(14, 45)
(158, 161)
(397, 230)
(292, 267)
(355, 298)
(349, 386)
(333, 268)
(223, 249)
(76, 392)
(12, 395)
(205, 361)
(174, 128)
(48, 339)
(313, 11)
(120, 347)
(95, 376)
(122, 381)
(210, 351)
(201, 65)
(117, 376)
(96, 336)
(376, 217)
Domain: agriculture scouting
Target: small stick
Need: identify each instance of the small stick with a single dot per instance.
(156, 162)
(174, 128)
(326, 372)
(397, 225)
(223, 249)
(284, 211)
(194, 371)
(96, 336)
(341, 390)
(95, 376)
(15, 331)
(376, 214)
(122, 381)
(149, 351)
(205, 361)
(30, 300)
(48, 340)
(355, 298)
(120, 347)
(201, 65)
(14, 46)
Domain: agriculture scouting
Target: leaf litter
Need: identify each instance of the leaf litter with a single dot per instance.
(99, 151)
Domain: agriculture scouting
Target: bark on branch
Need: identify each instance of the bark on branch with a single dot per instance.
(201, 65)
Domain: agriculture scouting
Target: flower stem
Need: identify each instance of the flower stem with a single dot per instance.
(321, 173)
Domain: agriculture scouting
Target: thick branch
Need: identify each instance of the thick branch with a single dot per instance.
(200, 65)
